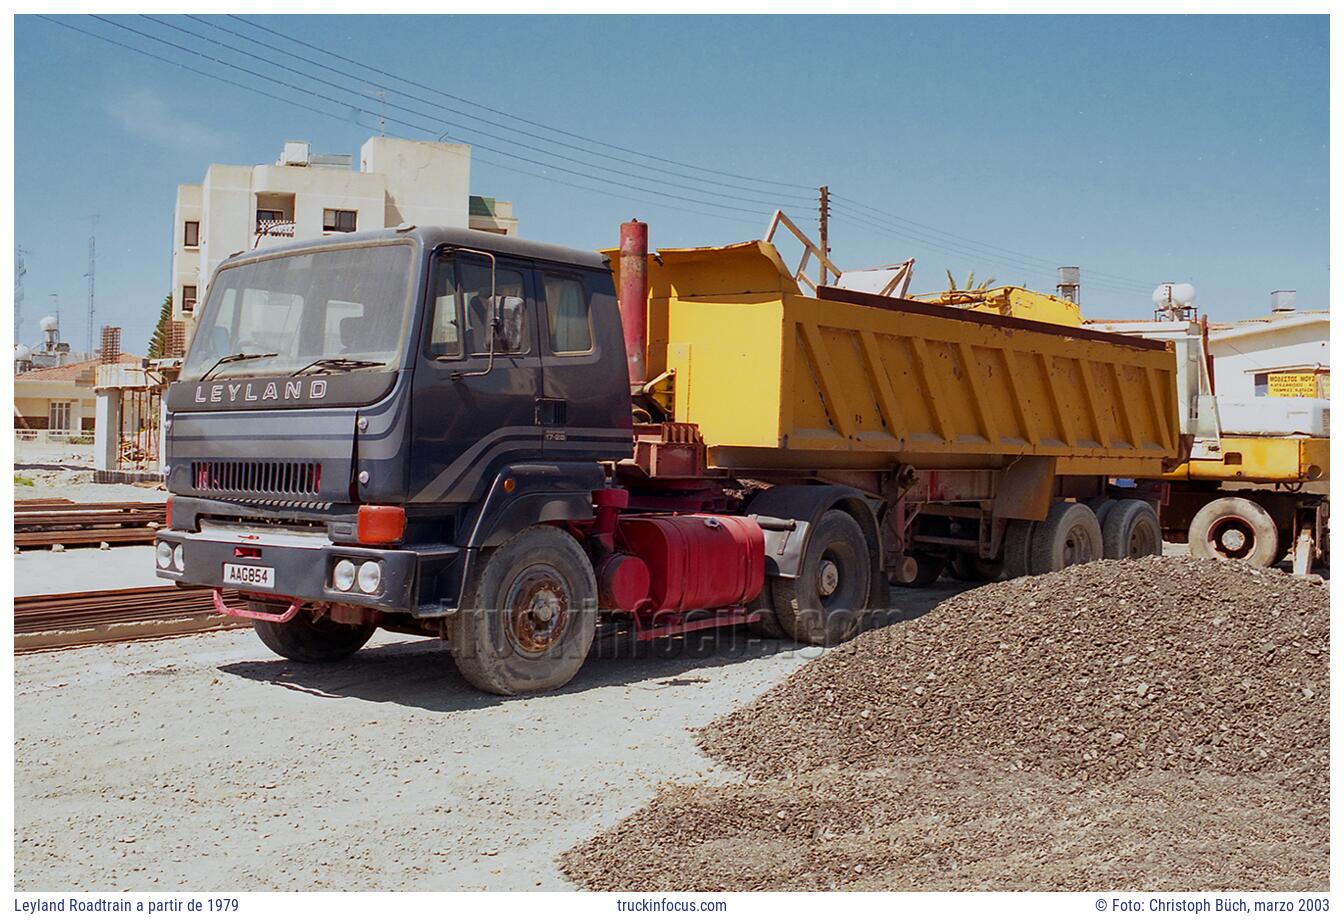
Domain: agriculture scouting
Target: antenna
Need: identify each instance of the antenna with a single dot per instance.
(93, 226)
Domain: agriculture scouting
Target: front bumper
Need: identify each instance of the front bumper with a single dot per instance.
(303, 564)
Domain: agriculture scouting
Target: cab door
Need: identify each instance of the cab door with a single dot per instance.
(477, 377)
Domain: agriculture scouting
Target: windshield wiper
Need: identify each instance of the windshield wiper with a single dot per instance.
(240, 356)
(337, 364)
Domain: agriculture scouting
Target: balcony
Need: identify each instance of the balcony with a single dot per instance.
(277, 230)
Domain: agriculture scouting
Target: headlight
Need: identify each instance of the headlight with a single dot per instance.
(343, 576)
(163, 553)
(370, 577)
(177, 557)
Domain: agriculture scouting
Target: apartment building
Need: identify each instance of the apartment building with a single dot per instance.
(305, 195)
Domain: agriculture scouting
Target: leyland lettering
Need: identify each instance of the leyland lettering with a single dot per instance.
(270, 391)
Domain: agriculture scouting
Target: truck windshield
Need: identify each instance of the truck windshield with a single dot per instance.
(286, 314)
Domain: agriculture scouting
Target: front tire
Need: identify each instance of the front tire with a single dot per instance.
(306, 639)
(532, 618)
(825, 604)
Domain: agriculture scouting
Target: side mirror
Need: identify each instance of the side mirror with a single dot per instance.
(508, 320)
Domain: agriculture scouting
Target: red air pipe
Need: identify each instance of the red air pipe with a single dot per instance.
(634, 270)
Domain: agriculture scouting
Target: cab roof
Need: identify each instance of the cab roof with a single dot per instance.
(434, 237)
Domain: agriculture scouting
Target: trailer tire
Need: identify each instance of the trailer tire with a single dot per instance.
(1234, 528)
(928, 569)
(532, 616)
(1017, 549)
(1069, 535)
(1131, 530)
(825, 604)
(1101, 507)
(767, 627)
(971, 567)
(303, 638)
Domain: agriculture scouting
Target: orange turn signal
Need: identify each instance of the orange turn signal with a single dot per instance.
(380, 524)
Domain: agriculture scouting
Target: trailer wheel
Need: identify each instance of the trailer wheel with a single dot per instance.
(1069, 535)
(928, 569)
(825, 604)
(970, 567)
(306, 639)
(1017, 548)
(1234, 528)
(1101, 507)
(532, 616)
(1131, 530)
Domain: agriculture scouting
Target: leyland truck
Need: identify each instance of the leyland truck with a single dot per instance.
(461, 435)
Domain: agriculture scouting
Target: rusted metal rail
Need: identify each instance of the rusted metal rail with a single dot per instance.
(43, 622)
(47, 522)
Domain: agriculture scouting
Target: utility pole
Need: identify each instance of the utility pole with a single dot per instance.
(824, 227)
(19, 271)
(93, 226)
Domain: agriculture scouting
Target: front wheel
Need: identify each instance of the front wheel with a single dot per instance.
(531, 621)
(304, 638)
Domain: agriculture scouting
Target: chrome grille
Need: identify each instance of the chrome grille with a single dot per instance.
(257, 477)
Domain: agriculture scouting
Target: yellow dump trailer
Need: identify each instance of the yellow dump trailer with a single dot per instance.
(776, 379)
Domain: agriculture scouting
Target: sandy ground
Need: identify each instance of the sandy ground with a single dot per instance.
(84, 569)
(66, 471)
(207, 763)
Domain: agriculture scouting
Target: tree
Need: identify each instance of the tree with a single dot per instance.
(970, 284)
(158, 342)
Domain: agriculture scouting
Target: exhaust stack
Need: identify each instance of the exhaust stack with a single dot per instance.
(634, 297)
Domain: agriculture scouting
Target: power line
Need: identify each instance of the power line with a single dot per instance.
(887, 215)
(308, 108)
(526, 121)
(907, 236)
(420, 127)
(392, 89)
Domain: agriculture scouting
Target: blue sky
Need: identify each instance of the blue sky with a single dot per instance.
(1144, 149)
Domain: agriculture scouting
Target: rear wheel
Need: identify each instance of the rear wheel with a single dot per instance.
(532, 617)
(767, 627)
(970, 567)
(1069, 535)
(1234, 528)
(825, 604)
(928, 569)
(304, 638)
(1131, 530)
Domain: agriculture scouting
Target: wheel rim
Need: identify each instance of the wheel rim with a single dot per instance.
(833, 577)
(1231, 538)
(1143, 541)
(1078, 546)
(538, 610)
(828, 578)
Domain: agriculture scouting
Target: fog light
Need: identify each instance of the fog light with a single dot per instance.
(370, 577)
(163, 553)
(177, 557)
(343, 576)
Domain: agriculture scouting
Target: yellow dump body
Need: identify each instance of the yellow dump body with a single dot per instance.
(1248, 458)
(779, 380)
(1011, 301)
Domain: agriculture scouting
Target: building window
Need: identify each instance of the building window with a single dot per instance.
(335, 221)
(191, 234)
(58, 415)
(266, 216)
(188, 298)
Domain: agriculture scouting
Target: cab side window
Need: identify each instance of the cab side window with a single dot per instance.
(445, 333)
(567, 314)
(510, 295)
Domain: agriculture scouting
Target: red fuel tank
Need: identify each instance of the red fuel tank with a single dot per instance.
(696, 561)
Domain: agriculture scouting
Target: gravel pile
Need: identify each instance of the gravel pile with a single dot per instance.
(1155, 723)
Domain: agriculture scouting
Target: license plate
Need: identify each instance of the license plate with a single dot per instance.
(249, 576)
